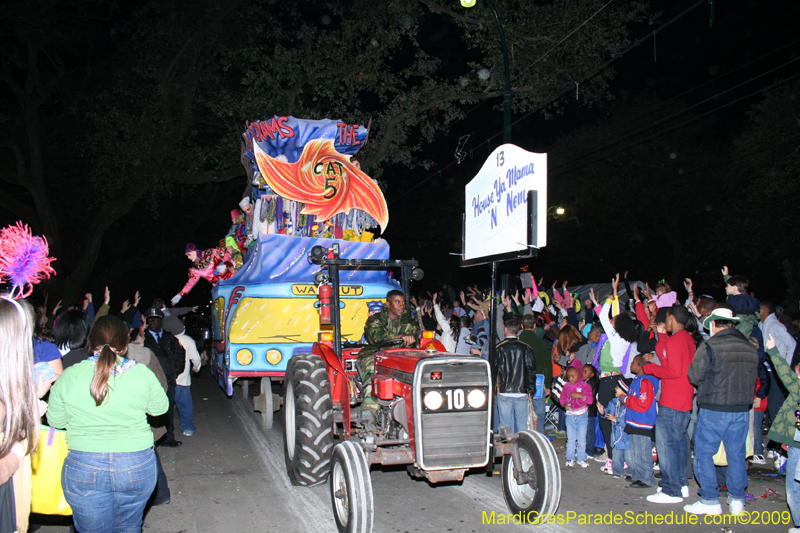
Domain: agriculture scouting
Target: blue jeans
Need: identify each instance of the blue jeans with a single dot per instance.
(183, 402)
(170, 421)
(618, 462)
(640, 460)
(540, 408)
(713, 428)
(792, 486)
(758, 434)
(673, 447)
(591, 426)
(161, 494)
(512, 412)
(562, 419)
(576, 436)
(108, 491)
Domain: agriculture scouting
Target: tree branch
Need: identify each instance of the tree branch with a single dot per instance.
(209, 176)
(20, 160)
(436, 8)
(388, 133)
(294, 91)
(19, 209)
(169, 70)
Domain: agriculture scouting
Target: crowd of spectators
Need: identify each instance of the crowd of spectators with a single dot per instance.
(111, 380)
(646, 385)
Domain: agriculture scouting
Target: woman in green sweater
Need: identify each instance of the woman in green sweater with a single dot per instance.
(783, 428)
(103, 403)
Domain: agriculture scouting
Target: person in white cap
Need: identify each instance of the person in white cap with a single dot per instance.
(247, 207)
(724, 371)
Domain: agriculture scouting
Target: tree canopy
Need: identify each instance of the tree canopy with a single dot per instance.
(129, 116)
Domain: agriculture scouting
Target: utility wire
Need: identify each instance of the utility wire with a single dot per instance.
(594, 72)
(650, 111)
(559, 94)
(585, 22)
(674, 115)
(680, 125)
(547, 53)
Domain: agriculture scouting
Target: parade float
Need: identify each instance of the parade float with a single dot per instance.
(304, 190)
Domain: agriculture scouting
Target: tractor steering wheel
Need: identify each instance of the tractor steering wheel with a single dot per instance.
(391, 343)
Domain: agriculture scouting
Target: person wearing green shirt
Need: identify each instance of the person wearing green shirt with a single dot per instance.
(103, 403)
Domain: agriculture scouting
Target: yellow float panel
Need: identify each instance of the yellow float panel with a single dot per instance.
(291, 320)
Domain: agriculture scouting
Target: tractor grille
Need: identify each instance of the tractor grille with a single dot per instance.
(456, 435)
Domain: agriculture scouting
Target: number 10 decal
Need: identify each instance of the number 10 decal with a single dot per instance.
(455, 399)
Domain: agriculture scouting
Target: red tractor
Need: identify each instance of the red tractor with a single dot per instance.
(435, 417)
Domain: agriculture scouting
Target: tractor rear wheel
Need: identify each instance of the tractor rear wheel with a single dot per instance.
(351, 489)
(541, 497)
(308, 419)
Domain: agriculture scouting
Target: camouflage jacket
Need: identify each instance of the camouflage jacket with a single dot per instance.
(380, 327)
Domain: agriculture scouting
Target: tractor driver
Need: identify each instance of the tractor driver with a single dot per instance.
(391, 323)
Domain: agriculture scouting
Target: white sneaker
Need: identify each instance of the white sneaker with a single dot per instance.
(570, 464)
(735, 507)
(662, 497)
(685, 491)
(583, 464)
(758, 460)
(699, 507)
(794, 530)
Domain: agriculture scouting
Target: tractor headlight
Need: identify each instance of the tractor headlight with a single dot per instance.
(476, 398)
(244, 357)
(433, 400)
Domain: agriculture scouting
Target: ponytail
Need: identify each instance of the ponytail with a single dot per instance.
(106, 360)
(109, 339)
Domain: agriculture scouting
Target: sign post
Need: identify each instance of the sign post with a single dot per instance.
(501, 213)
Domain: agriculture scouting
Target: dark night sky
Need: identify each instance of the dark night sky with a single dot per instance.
(690, 62)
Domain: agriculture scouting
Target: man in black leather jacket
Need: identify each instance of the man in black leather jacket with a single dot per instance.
(513, 378)
(724, 371)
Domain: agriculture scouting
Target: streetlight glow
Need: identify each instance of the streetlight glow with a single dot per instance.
(468, 3)
(559, 210)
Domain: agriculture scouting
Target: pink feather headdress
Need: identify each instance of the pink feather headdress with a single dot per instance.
(23, 259)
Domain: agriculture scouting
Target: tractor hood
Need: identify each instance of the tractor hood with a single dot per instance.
(406, 360)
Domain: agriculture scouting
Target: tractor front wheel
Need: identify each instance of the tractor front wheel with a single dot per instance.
(308, 419)
(540, 497)
(351, 489)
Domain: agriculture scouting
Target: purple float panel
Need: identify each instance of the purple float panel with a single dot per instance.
(284, 259)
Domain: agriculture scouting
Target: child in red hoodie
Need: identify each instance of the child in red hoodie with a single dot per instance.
(576, 396)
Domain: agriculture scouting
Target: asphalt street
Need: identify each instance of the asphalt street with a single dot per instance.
(230, 477)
